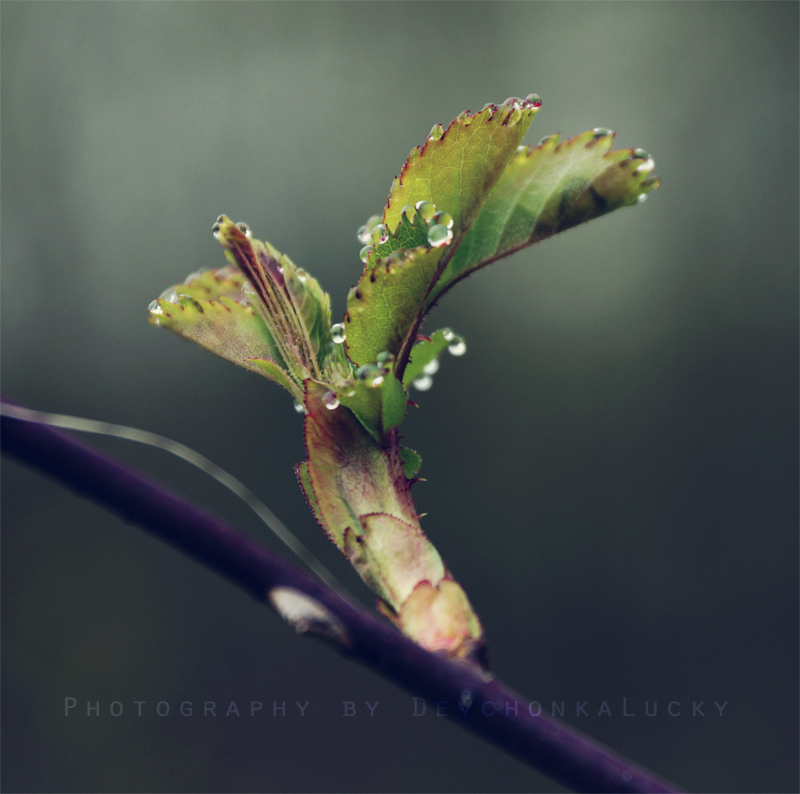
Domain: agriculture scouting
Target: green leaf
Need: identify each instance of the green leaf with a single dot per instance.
(382, 307)
(411, 461)
(379, 408)
(424, 352)
(548, 189)
(456, 168)
(222, 326)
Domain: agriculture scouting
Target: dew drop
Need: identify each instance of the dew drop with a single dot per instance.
(379, 235)
(220, 219)
(422, 384)
(444, 219)
(301, 275)
(439, 235)
(436, 132)
(300, 408)
(545, 140)
(384, 358)
(169, 295)
(513, 117)
(154, 308)
(641, 154)
(486, 106)
(648, 165)
(457, 346)
(331, 400)
(447, 334)
(370, 375)
(215, 231)
(513, 101)
(244, 229)
(425, 209)
(534, 99)
(409, 212)
(641, 198)
(363, 235)
(337, 333)
(600, 132)
(365, 252)
(432, 367)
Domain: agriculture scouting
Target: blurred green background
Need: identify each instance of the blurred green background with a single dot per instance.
(612, 467)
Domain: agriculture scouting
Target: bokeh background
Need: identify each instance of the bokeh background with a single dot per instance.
(612, 467)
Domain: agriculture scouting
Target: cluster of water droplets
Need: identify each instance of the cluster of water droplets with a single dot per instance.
(440, 224)
(456, 347)
(439, 227)
(644, 168)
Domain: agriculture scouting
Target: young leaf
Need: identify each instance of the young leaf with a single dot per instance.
(456, 168)
(424, 352)
(291, 303)
(411, 461)
(222, 326)
(378, 408)
(546, 190)
(385, 303)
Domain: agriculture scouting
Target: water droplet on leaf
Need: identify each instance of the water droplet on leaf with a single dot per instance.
(384, 357)
(331, 400)
(169, 295)
(641, 154)
(244, 229)
(422, 384)
(600, 132)
(534, 99)
(363, 235)
(439, 235)
(215, 231)
(300, 408)
(365, 252)
(379, 235)
(370, 375)
(154, 308)
(444, 219)
(447, 334)
(409, 212)
(301, 275)
(337, 333)
(457, 346)
(436, 132)
(641, 198)
(432, 367)
(648, 165)
(425, 209)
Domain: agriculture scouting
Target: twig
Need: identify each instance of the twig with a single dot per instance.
(545, 743)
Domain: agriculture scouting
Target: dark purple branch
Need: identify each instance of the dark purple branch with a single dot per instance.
(545, 743)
